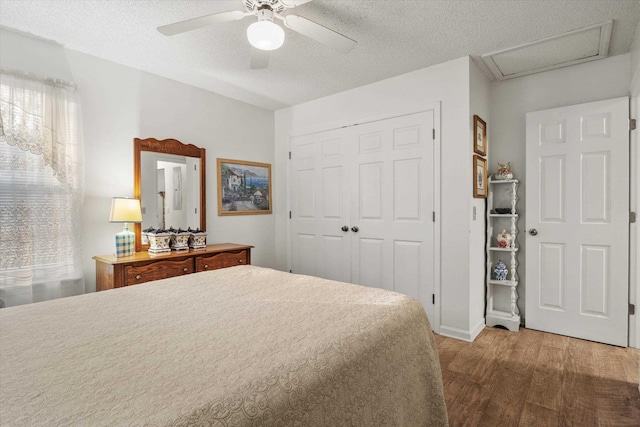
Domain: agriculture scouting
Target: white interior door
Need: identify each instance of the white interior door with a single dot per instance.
(577, 220)
(377, 180)
(319, 205)
(392, 201)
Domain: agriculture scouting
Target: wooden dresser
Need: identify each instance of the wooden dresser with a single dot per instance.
(112, 272)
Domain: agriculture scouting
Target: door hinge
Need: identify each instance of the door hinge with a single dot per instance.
(289, 214)
(632, 309)
(433, 299)
(433, 133)
(632, 124)
(632, 217)
(289, 155)
(433, 216)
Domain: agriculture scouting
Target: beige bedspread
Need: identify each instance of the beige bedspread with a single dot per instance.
(241, 346)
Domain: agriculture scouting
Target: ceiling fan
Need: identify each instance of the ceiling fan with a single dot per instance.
(264, 34)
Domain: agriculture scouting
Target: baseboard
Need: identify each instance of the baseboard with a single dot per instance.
(461, 334)
(476, 331)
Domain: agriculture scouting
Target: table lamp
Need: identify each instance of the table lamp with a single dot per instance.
(128, 211)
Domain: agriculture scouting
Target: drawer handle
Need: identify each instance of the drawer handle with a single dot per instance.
(185, 269)
(138, 277)
(239, 261)
(206, 266)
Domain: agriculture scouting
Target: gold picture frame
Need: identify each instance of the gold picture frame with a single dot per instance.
(244, 188)
(479, 136)
(480, 178)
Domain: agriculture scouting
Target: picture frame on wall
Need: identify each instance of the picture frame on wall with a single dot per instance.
(480, 177)
(244, 188)
(479, 136)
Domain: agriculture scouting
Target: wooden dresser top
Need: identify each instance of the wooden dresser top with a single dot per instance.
(147, 256)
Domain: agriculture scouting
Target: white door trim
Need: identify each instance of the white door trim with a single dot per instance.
(350, 121)
(355, 120)
(634, 229)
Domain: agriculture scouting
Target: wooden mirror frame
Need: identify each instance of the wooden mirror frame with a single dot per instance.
(167, 146)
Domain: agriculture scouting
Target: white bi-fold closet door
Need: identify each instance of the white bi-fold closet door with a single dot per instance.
(362, 205)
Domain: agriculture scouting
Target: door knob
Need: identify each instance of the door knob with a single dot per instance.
(354, 229)
(533, 232)
(345, 228)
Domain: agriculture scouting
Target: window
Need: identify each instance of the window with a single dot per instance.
(40, 189)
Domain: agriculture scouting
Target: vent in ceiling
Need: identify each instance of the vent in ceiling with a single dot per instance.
(581, 45)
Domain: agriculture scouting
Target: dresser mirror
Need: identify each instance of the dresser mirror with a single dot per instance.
(169, 180)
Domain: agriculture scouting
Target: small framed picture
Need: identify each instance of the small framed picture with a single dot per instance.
(244, 188)
(479, 136)
(479, 177)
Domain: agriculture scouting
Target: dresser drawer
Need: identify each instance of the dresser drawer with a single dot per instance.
(135, 274)
(221, 260)
(117, 272)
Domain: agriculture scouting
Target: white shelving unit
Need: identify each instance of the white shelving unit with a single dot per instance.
(502, 295)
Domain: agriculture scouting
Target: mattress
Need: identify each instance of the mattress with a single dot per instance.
(241, 346)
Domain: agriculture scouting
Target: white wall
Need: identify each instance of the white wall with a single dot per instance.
(512, 99)
(480, 104)
(121, 103)
(447, 83)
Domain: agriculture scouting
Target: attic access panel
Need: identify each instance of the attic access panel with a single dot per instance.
(574, 47)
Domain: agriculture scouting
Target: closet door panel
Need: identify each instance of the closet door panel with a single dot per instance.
(303, 203)
(374, 180)
(333, 207)
(372, 273)
(319, 206)
(394, 205)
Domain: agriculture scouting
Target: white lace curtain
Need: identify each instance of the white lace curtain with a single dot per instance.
(40, 189)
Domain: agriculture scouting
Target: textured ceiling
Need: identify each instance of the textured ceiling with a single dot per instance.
(394, 37)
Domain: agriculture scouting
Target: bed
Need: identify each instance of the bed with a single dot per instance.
(240, 346)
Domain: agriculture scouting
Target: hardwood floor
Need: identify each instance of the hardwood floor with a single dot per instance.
(532, 378)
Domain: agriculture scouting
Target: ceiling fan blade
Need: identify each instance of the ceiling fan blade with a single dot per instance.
(293, 3)
(259, 58)
(203, 21)
(319, 33)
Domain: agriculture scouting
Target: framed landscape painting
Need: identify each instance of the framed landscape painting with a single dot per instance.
(244, 188)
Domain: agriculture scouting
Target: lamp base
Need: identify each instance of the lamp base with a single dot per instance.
(125, 242)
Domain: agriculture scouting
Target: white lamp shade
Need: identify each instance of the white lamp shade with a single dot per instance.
(265, 35)
(125, 210)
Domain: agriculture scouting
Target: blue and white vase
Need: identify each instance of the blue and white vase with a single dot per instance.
(500, 271)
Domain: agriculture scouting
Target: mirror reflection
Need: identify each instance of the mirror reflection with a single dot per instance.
(170, 191)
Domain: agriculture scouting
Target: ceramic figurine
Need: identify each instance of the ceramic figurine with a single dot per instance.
(500, 271)
(504, 239)
(504, 171)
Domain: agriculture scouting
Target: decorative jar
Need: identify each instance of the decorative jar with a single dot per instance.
(500, 271)
(504, 171)
(504, 239)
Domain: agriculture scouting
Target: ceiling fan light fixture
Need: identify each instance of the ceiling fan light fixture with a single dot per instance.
(265, 35)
